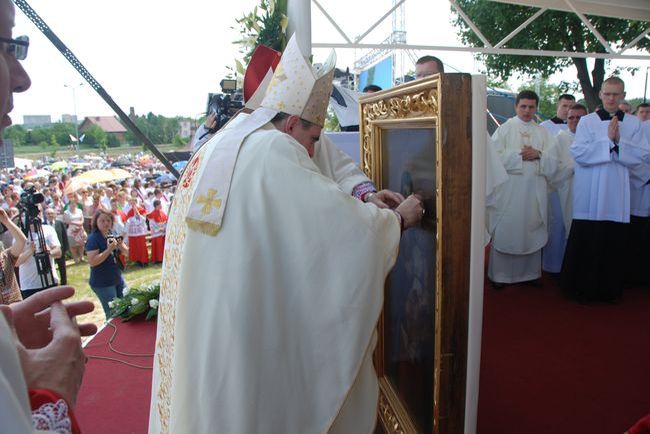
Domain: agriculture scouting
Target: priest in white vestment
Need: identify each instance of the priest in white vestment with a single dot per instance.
(610, 152)
(273, 279)
(519, 219)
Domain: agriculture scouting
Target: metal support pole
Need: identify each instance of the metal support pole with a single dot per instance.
(299, 14)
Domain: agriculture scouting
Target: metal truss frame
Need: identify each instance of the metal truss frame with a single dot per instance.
(488, 48)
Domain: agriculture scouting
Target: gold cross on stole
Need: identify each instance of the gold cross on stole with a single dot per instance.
(208, 200)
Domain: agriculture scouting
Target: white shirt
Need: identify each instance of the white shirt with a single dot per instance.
(554, 128)
(29, 278)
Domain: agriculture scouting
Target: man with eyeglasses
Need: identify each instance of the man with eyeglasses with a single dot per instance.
(562, 185)
(609, 151)
(41, 360)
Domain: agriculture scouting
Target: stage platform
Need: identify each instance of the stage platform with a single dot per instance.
(115, 394)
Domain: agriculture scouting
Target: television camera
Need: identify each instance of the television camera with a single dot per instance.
(224, 105)
(32, 226)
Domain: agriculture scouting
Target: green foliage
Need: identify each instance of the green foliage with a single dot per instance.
(553, 31)
(54, 145)
(159, 129)
(95, 136)
(331, 121)
(179, 141)
(43, 144)
(17, 134)
(113, 141)
(140, 300)
(548, 95)
(265, 25)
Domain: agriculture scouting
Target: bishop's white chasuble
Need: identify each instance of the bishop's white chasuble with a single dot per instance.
(268, 326)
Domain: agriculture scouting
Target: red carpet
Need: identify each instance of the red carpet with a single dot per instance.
(549, 366)
(114, 397)
(552, 366)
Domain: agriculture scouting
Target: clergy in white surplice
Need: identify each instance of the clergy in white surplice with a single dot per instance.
(273, 278)
(560, 199)
(518, 221)
(639, 253)
(610, 153)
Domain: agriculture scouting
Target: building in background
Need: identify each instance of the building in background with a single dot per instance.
(33, 121)
(69, 119)
(109, 124)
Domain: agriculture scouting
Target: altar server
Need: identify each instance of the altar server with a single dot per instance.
(610, 152)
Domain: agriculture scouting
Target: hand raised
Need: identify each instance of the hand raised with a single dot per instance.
(58, 366)
(31, 317)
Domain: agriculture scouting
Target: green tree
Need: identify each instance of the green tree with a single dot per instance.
(39, 135)
(63, 131)
(159, 129)
(95, 136)
(548, 95)
(553, 31)
(113, 141)
(17, 134)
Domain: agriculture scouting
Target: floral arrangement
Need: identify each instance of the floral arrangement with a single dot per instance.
(266, 24)
(136, 301)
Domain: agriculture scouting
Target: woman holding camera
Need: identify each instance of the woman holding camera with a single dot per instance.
(105, 274)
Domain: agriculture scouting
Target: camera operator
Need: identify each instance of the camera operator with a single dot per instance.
(31, 281)
(203, 130)
(102, 248)
(8, 259)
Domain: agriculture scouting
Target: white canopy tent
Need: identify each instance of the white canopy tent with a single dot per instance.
(639, 10)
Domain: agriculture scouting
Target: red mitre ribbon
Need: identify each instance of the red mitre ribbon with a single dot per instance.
(262, 59)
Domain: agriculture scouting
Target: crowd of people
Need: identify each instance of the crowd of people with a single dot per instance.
(272, 309)
(138, 214)
(574, 198)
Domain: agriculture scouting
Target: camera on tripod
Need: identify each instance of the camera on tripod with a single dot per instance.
(29, 200)
(32, 227)
(224, 105)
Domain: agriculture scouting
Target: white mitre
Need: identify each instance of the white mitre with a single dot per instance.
(298, 89)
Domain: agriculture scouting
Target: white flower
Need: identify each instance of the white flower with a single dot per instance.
(153, 303)
(134, 301)
(111, 304)
(126, 291)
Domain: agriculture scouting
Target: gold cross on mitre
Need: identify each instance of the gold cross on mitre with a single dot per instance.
(208, 201)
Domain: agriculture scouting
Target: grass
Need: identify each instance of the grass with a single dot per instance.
(78, 275)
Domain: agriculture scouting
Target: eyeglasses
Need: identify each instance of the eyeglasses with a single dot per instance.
(572, 118)
(17, 47)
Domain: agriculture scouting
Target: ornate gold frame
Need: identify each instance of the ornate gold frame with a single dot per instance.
(411, 105)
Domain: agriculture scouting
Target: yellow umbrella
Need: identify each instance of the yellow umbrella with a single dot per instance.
(120, 173)
(75, 184)
(59, 165)
(96, 176)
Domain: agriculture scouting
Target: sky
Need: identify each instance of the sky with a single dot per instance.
(165, 56)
